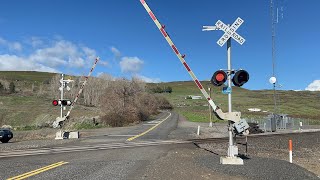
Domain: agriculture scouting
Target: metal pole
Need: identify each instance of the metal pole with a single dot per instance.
(229, 73)
(273, 29)
(61, 96)
(274, 98)
(210, 109)
(230, 151)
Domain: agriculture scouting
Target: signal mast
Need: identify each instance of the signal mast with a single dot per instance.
(240, 126)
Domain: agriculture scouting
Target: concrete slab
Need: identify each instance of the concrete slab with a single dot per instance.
(59, 135)
(231, 160)
(73, 134)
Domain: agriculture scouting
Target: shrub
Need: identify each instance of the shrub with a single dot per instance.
(12, 87)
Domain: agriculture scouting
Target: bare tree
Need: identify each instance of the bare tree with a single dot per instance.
(5, 84)
(94, 90)
(54, 86)
(119, 102)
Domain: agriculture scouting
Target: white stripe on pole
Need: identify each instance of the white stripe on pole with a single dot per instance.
(290, 151)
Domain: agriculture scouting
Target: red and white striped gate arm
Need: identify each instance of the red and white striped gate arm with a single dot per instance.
(82, 86)
(181, 57)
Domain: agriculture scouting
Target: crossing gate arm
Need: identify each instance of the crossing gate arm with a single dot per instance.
(232, 116)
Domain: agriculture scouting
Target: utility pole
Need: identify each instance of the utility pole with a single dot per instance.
(273, 81)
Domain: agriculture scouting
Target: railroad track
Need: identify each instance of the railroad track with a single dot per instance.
(68, 149)
(241, 140)
(249, 137)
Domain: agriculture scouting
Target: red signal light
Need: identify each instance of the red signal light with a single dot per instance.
(219, 78)
(55, 102)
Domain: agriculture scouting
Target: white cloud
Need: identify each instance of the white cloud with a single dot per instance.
(36, 41)
(77, 62)
(64, 53)
(48, 56)
(314, 86)
(15, 46)
(148, 80)
(115, 51)
(90, 53)
(12, 46)
(3, 41)
(131, 64)
(105, 76)
(15, 63)
(103, 63)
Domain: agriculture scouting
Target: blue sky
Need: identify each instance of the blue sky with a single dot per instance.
(66, 36)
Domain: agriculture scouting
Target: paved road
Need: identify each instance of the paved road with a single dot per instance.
(109, 155)
(149, 154)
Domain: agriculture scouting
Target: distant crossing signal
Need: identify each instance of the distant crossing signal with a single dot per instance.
(219, 78)
(61, 102)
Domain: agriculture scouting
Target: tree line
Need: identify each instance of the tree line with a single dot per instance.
(158, 89)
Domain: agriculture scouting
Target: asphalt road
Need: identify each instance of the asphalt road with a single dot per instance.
(144, 151)
(108, 155)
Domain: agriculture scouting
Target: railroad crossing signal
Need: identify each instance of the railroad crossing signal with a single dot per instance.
(239, 78)
(62, 102)
(229, 31)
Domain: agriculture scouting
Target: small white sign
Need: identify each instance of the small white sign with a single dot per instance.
(230, 32)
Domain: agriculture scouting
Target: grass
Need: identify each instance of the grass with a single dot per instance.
(26, 128)
(28, 76)
(297, 104)
(23, 111)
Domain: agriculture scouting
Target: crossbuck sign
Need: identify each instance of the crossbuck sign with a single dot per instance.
(230, 32)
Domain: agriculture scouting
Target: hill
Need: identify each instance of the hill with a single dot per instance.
(29, 108)
(297, 104)
(27, 76)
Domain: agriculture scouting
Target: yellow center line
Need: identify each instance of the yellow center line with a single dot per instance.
(153, 127)
(37, 171)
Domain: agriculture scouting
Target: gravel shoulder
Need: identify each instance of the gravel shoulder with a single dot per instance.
(267, 152)
(306, 148)
(183, 162)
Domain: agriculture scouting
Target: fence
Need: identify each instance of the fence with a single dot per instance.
(271, 123)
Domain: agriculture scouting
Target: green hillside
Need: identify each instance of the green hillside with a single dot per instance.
(297, 104)
(27, 108)
(28, 76)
